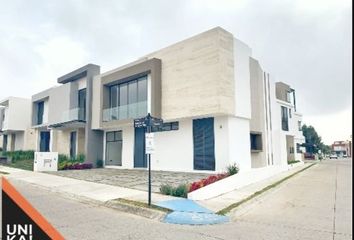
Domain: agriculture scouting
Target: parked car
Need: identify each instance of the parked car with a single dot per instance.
(345, 155)
(333, 156)
(309, 156)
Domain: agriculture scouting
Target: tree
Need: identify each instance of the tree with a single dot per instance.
(313, 141)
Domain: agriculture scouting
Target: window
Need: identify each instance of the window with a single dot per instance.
(299, 125)
(171, 126)
(82, 104)
(40, 112)
(256, 141)
(284, 119)
(298, 148)
(290, 116)
(129, 99)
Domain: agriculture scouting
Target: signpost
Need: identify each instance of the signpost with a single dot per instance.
(148, 122)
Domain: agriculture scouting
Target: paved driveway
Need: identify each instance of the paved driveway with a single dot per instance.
(132, 178)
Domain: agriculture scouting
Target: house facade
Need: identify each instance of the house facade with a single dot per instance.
(15, 131)
(218, 105)
(60, 115)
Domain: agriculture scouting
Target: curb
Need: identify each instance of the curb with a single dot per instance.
(146, 212)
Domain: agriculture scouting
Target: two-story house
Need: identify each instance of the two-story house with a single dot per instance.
(15, 124)
(60, 114)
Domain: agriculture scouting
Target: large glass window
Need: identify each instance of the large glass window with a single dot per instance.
(284, 119)
(129, 99)
(82, 104)
(40, 112)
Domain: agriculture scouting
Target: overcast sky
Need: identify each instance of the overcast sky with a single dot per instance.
(306, 43)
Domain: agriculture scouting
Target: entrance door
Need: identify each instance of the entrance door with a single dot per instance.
(203, 142)
(114, 148)
(139, 148)
(44, 141)
(73, 144)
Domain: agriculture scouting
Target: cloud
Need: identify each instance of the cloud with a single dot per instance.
(306, 43)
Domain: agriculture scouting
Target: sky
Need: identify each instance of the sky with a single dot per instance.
(305, 43)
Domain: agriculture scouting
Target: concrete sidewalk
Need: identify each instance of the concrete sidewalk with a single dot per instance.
(79, 189)
(101, 193)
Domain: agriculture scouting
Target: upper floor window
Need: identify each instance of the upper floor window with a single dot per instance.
(284, 119)
(299, 125)
(129, 99)
(82, 104)
(40, 112)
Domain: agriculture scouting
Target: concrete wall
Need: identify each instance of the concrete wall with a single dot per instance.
(174, 149)
(258, 112)
(198, 68)
(17, 114)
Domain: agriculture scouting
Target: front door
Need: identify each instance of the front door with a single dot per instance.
(44, 141)
(114, 145)
(203, 143)
(139, 148)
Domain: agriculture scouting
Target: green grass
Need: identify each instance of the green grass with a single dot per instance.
(293, 161)
(21, 164)
(235, 205)
(143, 205)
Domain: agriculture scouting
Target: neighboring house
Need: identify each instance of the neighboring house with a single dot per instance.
(15, 124)
(287, 133)
(342, 148)
(60, 114)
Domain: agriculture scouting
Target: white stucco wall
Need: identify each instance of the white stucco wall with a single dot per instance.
(242, 54)
(174, 149)
(239, 142)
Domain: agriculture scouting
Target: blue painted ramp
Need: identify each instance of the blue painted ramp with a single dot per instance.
(186, 211)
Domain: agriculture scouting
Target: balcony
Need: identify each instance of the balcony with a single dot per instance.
(75, 114)
(130, 111)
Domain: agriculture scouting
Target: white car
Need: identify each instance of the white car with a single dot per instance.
(333, 156)
(345, 155)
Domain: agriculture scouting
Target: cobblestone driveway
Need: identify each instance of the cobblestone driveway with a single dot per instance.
(132, 178)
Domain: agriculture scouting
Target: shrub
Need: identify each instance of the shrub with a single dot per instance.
(80, 158)
(206, 181)
(20, 155)
(232, 169)
(99, 163)
(293, 161)
(179, 191)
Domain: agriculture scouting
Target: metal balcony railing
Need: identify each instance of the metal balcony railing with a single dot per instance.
(129, 111)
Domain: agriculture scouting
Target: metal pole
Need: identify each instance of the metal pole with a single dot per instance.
(149, 162)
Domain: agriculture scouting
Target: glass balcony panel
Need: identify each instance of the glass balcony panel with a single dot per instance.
(129, 111)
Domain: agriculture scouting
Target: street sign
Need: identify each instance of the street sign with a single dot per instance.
(148, 122)
(149, 143)
(140, 122)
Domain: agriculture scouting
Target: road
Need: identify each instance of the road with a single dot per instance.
(315, 204)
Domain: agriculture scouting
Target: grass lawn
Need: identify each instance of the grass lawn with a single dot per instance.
(22, 164)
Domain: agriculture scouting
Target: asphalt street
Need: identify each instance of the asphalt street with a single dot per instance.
(315, 204)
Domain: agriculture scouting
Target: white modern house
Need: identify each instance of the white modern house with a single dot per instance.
(60, 114)
(218, 105)
(15, 124)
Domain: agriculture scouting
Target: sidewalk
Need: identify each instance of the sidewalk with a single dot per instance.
(101, 193)
(80, 189)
